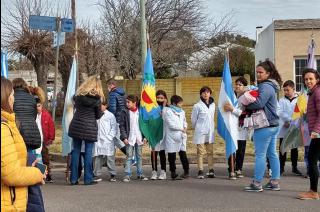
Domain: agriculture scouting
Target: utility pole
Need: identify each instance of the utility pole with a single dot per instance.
(143, 32)
(56, 69)
(73, 16)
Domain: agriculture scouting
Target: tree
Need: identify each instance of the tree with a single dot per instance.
(35, 45)
(241, 61)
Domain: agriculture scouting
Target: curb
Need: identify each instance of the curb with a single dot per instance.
(59, 161)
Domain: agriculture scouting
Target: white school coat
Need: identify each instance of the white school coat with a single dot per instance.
(285, 113)
(173, 124)
(107, 130)
(202, 119)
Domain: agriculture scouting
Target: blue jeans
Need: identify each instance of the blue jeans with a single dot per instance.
(265, 143)
(75, 155)
(138, 154)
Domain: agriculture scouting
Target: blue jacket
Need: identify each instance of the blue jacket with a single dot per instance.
(267, 100)
(117, 102)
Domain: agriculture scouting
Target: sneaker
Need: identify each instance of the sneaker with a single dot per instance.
(162, 175)
(254, 187)
(307, 176)
(97, 179)
(200, 175)
(175, 176)
(113, 178)
(185, 175)
(296, 172)
(211, 174)
(309, 195)
(142, 177)
(49, 179)
(126, 179)
(232, 176)
(272, 186)
(239, 174)
(154, 175)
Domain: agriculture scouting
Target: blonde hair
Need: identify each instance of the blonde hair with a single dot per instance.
(40, 93)
(92, 86)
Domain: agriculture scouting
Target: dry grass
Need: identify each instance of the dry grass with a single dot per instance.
(219, 147)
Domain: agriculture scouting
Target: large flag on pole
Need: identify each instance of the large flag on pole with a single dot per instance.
(227, 122)
(150, 121)
(68, 109)
(4, 64)
(298, 133)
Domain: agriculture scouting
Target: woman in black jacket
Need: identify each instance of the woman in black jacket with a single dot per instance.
(83, 126)
(25, 108)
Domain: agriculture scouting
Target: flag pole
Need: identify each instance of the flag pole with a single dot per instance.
(231, 156)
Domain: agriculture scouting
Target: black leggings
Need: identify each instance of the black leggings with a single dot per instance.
(313, 156)
(183, 159)
(239, 156)
(163, 160)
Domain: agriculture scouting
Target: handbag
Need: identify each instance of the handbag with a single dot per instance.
(259, 119)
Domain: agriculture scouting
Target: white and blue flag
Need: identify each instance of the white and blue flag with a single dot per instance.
(68, 109)
(4, 64)
(227, 122)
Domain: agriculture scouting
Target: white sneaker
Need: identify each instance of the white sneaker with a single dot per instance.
(154, 175)
(162, 175)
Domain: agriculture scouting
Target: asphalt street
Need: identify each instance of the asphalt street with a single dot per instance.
(218, 194)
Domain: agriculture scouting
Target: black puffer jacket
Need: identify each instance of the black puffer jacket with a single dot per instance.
(25, 108)
(84, 123)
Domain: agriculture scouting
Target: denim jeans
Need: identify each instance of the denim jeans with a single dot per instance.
(75, 155)
(130, 153)
(265, 143)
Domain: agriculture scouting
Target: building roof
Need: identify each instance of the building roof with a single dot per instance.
(297, 24)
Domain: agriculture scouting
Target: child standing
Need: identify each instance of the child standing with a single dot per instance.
(104, 148)
(46, 128)
(131, 135)
(175, 136)
(202, 119)
(162, 101)
(287, 105)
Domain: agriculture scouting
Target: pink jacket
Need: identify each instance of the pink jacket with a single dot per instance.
(313, 110)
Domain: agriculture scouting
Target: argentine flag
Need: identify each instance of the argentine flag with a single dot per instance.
(227, 122)
(68, 109)
(4, 64)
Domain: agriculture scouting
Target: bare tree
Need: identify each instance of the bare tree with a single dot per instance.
(35, 45)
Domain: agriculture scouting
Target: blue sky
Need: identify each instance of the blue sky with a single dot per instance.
(247, 13)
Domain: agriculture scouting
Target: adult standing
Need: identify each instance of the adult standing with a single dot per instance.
(312, 81)
(240, 88)
(15, 175)
(83, 126)
(265, 138)
(25, 108)
(117, 103)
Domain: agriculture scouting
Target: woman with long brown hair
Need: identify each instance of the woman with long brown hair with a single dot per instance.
(83, 127)
(15, 176)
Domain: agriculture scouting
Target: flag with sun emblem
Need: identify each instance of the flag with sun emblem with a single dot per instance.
(150, 121)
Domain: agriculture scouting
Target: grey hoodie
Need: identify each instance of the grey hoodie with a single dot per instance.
(267, 100)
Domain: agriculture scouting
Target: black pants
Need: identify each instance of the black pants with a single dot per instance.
(183, 159)
(239, 156)
(283, 157)
(313, 156)
(163, 160)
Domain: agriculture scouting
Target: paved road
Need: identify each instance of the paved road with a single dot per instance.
(218, 194)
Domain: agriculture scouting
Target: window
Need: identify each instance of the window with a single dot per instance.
(300, 65)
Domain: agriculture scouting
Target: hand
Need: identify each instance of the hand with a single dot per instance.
(125, 141)
(313, 135)
(287, 124)
(34, 162)
(228, 107)
(145, 141)
(184, 130)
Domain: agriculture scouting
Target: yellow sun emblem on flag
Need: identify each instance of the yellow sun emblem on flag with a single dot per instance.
(148, 97)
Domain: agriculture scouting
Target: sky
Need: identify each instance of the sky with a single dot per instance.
(247, 13)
